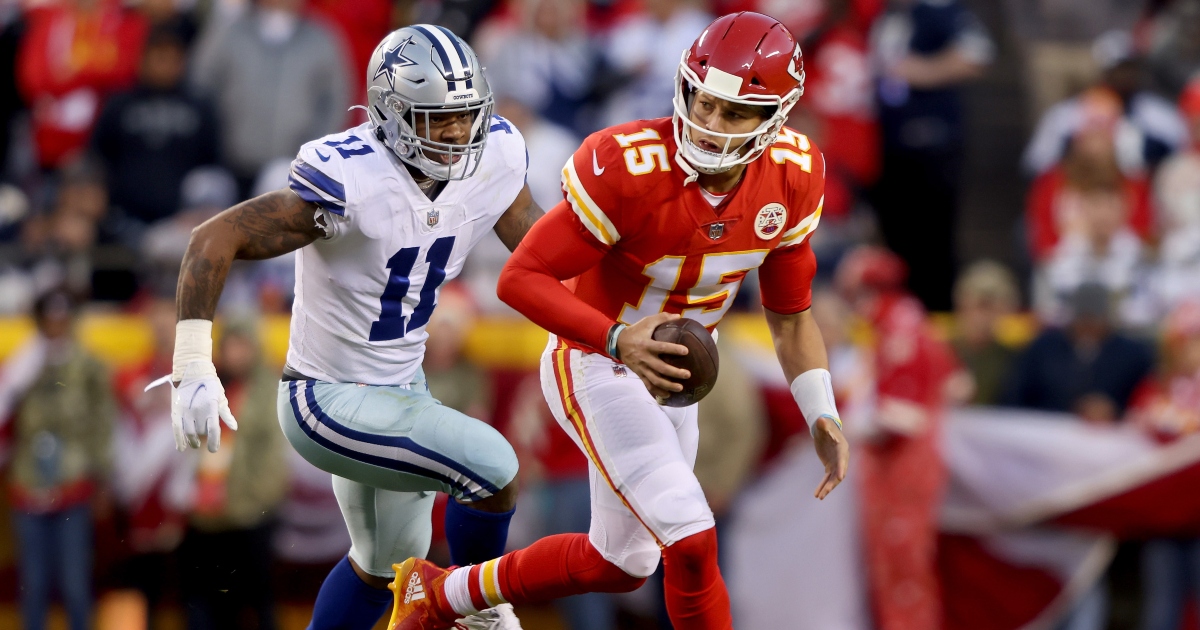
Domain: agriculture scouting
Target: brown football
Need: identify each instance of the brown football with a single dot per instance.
(701, 359)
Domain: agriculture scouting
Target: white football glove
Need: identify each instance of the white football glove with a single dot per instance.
(198, 403)
(198, 406)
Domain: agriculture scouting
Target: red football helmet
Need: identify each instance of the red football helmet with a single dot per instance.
(746, 58)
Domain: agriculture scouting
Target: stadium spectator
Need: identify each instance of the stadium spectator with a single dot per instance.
(1057, 38)
(148, 473)
(1057, 198)
(174, 15)
(900, 470)
(839, 95)
(984, 293)
(1099, 248)
(543, 58)
(59, 245)
(226, 554)
(1085, 367)
(150, 137)
(278, 79)
(1150, 128)
(1168, 405)
(925, 51)
(1177, 193)
(1173, 49)
(645, 48)
(73, 56)
(60, 400)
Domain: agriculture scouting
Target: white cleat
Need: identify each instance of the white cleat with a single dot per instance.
(500, 617)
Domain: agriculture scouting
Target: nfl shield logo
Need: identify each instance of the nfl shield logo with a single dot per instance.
(432, 217)
(716, 230)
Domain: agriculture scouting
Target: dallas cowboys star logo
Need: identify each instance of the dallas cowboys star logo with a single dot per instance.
(393, 59)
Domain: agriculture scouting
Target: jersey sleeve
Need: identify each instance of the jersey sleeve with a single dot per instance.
(590, 185)
(785, 279)
(317, 177)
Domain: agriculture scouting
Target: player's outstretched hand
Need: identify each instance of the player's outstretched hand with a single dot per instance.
(834, 451)
(198, 406)
(640, 351)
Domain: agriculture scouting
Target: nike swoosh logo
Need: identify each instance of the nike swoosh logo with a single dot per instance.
(596, 166)
(196, 393)
(324, 158)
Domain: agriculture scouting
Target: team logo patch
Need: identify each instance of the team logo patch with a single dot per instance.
(432, 217)
(770, 220)
(716, 231)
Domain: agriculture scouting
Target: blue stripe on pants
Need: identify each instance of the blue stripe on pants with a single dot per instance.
(400, 442)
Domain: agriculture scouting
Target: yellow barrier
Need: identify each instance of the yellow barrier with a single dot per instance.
(507, 343)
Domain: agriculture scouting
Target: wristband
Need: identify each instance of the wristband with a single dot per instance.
(813, 391)
(610, 343)
(193, 342)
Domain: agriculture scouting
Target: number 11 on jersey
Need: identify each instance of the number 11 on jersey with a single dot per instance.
(391, 323)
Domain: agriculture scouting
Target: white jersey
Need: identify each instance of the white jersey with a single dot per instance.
(365, 292)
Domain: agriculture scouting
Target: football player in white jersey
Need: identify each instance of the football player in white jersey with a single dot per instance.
(382, 215)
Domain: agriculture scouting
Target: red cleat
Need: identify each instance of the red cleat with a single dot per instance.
(417, 590)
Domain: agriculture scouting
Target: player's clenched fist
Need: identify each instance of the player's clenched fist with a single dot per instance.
(637, 349)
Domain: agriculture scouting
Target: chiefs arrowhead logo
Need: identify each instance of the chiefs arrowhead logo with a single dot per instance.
(795, 67)
(770, 221)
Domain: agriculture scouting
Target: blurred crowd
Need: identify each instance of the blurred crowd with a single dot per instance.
(123, 125)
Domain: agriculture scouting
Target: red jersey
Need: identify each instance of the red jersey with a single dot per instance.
(657, 243)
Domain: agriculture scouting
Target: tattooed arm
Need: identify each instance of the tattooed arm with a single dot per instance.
(264, 227)
(517, 220)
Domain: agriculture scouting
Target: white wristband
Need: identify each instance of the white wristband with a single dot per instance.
(193, 342)
(813, 391)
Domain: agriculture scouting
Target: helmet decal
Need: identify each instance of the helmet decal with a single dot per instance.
(393, 59)
(792, 66)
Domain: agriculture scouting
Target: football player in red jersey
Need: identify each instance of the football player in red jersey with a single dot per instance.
(662, 219)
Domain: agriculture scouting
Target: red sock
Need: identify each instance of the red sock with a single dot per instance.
(553, 567)
(692, 584)
(560, 566)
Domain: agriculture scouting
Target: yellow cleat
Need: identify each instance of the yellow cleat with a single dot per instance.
(416, 590)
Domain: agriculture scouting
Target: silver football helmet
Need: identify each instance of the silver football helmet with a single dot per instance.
(420, 71)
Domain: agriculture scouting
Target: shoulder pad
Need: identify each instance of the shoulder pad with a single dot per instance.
(319, 171)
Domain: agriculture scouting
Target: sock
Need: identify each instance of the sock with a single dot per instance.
(345, 602)
(692, 585)
(474, 535)
(553, 567)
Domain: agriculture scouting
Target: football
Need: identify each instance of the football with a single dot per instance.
(701, 359)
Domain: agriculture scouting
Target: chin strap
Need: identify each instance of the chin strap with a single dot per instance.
(692, 173)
